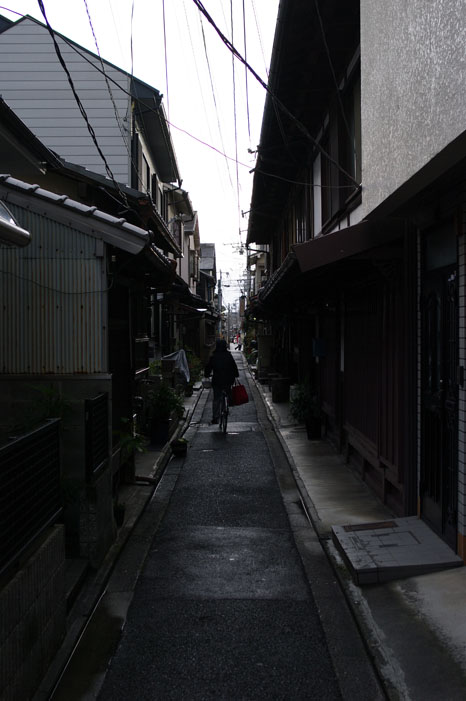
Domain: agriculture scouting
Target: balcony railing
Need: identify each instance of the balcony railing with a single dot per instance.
(30, 498)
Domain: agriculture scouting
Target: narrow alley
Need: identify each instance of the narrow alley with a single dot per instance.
(222, 590)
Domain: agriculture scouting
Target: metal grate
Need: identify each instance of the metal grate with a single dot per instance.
(29, 489)
(96, 413)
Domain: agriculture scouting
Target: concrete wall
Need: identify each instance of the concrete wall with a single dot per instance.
(32, 618)
(413, 68)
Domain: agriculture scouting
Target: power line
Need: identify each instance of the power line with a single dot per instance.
(234, 113)
(246, 71)
(121, 127)
(80, 105)
(280, 104)
(149, 108)
(109, 88)
(332, 70)
(260, 38)
(165, 52)
(306, 184)
(213, 95)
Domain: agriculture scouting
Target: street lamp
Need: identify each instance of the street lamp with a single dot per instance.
(11, 233)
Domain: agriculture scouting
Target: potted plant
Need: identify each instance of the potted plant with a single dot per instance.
(179, 447)
(163, 404)
(305, 408)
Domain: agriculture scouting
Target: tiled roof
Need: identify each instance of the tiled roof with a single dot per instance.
(113, 230)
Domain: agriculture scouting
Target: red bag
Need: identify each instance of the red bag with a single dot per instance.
(239, 394)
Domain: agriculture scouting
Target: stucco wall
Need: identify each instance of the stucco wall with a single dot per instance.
(413, 71)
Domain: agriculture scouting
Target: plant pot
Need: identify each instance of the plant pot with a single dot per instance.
(314, 428)
(179, 448)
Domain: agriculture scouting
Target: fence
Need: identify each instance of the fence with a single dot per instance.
(30, 498)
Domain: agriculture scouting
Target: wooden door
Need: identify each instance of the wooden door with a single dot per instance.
(439, 389)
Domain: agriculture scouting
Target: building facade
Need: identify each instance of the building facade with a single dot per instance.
(359, 192)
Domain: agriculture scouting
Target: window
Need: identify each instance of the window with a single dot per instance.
(331, 174)
(194, 265)
(145, 175)
(351, 136)
(302, 206)
(337, 168)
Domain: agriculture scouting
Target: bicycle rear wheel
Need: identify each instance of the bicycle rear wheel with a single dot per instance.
(224, 414)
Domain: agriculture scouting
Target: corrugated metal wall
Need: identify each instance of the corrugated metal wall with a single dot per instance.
(53, 302)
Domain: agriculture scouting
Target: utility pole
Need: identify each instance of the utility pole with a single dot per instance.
(220, 303)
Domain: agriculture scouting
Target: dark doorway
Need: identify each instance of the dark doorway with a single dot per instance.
(439, 388)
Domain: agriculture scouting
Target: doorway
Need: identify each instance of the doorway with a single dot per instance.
(439, 388)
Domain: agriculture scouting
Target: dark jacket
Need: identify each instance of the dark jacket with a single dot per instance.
(222, 366)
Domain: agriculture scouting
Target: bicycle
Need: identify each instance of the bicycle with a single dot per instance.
(223, 421)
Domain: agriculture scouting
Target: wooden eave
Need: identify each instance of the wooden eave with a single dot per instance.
(301, 78)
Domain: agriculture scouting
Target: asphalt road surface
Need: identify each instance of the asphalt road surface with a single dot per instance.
(222, 606)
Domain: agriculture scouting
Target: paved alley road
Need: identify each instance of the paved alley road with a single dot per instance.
(222, 608)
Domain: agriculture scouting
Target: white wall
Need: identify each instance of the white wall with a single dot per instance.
(413, 76)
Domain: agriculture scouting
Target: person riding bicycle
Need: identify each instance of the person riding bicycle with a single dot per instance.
(224, 371)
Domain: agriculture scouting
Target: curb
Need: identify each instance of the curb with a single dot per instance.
(321, 590)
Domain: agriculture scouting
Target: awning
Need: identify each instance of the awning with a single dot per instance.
(345, 243)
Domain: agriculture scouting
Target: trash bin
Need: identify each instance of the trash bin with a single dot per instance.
(280, 389)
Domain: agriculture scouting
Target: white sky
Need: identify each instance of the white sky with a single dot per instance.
(209, 177)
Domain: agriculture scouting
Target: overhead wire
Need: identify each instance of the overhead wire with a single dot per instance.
(334, 77)
(207, 109)
(297, 182)
(165, 54)
(302, 128)
(213, 96)
(152, 109)
(115, 25)
(260, 38)
(234, 116)
(171, 124)
(246, 72)
(109, 88)
(195, 62)
(123, 130)
(80, 105)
